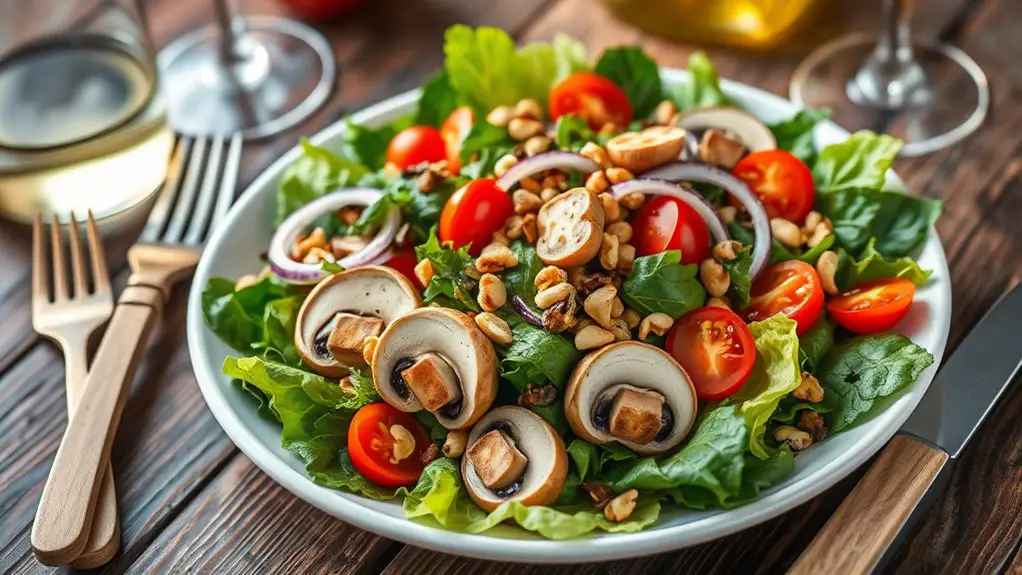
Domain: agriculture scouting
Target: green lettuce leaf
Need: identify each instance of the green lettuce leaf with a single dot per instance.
(796, 133)
(439, 496)
(861, 371)
(438, 100)
(872, 266)
(259, 318)
(316, 172)
(573, 132)
(636, 73)
(704, 89)
(536, 356)
(450, 285)
(520, 280)
(775, 375)
(483, 136)
(368, 146)
(741, 281)
(659, 283)
(815, 344)
(861, 161)
(590, 459)
(899, 222)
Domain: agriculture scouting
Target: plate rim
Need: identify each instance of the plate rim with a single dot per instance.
(587, 549)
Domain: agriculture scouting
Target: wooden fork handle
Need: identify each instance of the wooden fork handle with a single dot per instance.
(859, 533)
(62, 524)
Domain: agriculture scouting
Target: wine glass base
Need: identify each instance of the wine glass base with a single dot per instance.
(282, 72)
(931, 103)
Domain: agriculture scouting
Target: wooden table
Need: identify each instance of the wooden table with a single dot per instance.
(191, 502)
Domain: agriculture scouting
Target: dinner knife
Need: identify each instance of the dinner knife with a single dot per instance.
(863, 533)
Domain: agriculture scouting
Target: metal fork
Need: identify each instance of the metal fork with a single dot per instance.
(204, 174)
(69, 318)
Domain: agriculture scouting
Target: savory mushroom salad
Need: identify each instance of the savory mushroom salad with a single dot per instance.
(563, 294)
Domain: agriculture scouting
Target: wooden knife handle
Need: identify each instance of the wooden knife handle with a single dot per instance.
(63, 521)
(867, 522)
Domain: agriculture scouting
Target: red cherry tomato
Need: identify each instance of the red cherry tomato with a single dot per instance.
(415, 145)
(873, 306)
(371, 445)
(716, 349)
(666, 223)
(593, 97)
(782, 182)
(404, 261)
(453, 131)
(321, 9)
(792, 288)
(473, 213)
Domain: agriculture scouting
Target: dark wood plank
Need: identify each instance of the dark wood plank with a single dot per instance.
(242, 523)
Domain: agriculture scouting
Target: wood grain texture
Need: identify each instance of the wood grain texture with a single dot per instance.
(867, 522)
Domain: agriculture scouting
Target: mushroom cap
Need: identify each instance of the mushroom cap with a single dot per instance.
(570, 229)
(636, 364)
(743, 125)
(453, 336)
(370, 290)
(547, 467)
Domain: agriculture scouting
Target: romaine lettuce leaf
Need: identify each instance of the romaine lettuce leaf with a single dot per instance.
(440, 497)
(636, 73)
(704, 89)
(438, 100)
(861, 161)
(775, 375)
(316, 172)
(368, 146)
(660, 283)
(259, 318)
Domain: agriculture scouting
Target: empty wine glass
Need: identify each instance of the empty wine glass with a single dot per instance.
(257, 75)
(929, 95)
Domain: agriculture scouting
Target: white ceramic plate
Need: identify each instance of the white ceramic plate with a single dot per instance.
(234, 250)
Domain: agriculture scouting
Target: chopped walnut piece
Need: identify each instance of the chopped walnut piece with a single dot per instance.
(812, 423)
(538, 395)
(599, 493)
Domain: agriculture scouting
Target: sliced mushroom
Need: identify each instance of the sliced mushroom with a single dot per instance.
(641, 151)
(632, 393)
(734, 123)
(570, 229)
(437, 359)
(514, 455)
(346, 308)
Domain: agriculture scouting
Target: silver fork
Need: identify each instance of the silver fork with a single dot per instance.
(193, 201)
(69, 317)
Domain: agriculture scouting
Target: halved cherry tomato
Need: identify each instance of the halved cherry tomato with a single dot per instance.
(715, 347)
(473, 213)
(873, 306)
(453, 131)
(404, 261)
(782, 182)
(593, 97)
(665, 223)
(792, 288)
(371, 445)
(415, 145)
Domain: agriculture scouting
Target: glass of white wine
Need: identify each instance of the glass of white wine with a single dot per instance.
(82, 124)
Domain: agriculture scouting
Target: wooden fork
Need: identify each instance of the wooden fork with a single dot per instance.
(69, 318)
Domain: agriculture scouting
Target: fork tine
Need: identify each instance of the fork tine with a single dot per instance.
(59, 265)
(230, 181)
(100, 274)
(80, 282)
(161, 209)
(183, 209)
(40, 264)
(205, 202)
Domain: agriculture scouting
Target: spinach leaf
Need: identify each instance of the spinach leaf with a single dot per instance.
(811, 255)
(520, 280)
(636, 73)
(861, 161)
(659, 283)
(589, 459)
(482, 136)
(368, 146)
(789, 408)
(704, 88)
(450, 285)
(741, 281)
(778, 251)
(815, 344)
(573, 132)
(316, 172)
(437, 101)
(863, 370)
(536, 356)
(898, 222)
(872, 266)
(796, 133)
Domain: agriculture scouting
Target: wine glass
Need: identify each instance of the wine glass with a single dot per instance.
(257, 75)
(929, 95)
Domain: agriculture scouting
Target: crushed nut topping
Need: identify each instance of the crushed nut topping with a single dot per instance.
(812, 423)
(599, 493)
(621, 507)
(404, 443)
(538, 395)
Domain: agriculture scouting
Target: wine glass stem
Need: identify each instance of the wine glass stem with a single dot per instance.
(891, 76)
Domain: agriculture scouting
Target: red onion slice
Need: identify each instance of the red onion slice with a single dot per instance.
(526, 313)
(718, 229)
(543, 162)
(692, 172)
(301, 273)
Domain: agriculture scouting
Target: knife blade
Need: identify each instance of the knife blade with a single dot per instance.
(866, 530)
